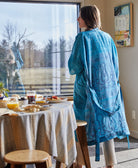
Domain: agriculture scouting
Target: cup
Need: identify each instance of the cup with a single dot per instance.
(23, 101)
(12, 103)
(31, 97)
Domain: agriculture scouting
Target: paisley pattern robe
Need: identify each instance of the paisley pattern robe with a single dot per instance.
(97, 93)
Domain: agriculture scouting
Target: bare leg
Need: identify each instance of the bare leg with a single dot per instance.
(109, 153)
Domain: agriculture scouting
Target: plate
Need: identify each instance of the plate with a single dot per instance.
(62, 99)
(31, 108)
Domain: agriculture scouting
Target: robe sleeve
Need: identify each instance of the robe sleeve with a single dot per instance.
(75, 62)
(115, 59)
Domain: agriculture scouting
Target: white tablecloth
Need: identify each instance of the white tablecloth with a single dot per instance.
(51, 131)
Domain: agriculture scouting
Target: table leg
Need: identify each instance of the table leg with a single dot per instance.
(81, 135)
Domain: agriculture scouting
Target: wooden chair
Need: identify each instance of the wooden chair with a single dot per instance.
(81, 135)
(19, 158)
(82, 138)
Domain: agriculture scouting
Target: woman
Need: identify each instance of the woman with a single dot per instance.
(97, 92)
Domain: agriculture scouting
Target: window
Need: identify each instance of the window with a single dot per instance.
(35, 43)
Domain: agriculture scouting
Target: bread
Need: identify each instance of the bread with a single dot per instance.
(32, 106)
(3, 103)
(31, 109)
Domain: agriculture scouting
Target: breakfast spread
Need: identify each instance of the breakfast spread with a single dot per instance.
(41, 103)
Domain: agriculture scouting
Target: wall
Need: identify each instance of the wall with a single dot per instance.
(128, 58)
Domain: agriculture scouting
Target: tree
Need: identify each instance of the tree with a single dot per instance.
(62, 52)
(11, 34)
(27, 53)
(48, 55)
(3, 65)
(50, 52)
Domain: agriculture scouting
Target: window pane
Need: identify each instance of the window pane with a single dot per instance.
(35, 43)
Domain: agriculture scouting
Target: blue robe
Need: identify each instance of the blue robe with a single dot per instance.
(18, 65)
(18, 57)
(97, 93)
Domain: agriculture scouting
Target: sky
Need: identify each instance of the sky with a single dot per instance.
(41, 21)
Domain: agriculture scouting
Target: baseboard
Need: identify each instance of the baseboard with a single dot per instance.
(134, 134)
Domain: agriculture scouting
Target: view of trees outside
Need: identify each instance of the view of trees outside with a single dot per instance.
(33, 52)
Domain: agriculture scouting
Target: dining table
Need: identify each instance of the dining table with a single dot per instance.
(51, 130)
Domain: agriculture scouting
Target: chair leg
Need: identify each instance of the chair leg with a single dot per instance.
(71, 166)
(41, 165)
(81, 135)
(18, 166)
(58, 164)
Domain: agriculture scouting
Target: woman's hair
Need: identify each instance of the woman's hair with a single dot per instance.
(91, 16)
